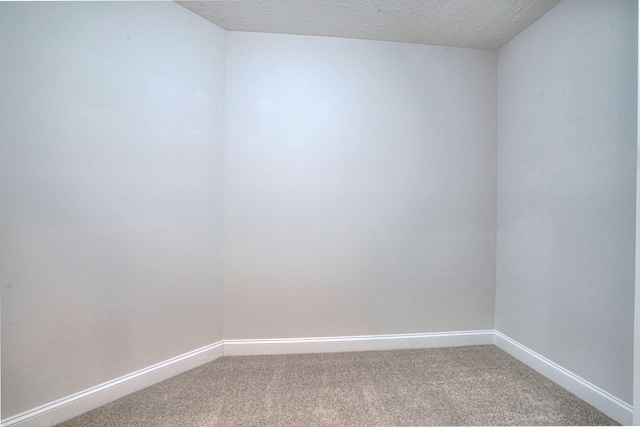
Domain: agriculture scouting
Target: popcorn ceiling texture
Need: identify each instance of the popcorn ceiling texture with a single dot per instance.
(487, 24)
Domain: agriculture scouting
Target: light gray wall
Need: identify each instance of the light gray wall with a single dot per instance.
(566, 189)
(110, 187)
(636, 341)
(359, 187)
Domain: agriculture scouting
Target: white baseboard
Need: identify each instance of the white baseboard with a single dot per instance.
(79, 403)
(605, 402)
(356, 343)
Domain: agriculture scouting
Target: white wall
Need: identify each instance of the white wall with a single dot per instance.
(359, 187)
(360, 190)
(636, 340)
(566, 186)
(110, 187)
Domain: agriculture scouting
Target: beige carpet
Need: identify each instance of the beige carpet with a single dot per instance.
(480, 385)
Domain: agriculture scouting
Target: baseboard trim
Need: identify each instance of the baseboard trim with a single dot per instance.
(71, 406)
(79, 403)
(356, 343)
(605, 402)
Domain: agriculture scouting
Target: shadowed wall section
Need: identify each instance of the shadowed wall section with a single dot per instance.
(567, 171)
(111, 183)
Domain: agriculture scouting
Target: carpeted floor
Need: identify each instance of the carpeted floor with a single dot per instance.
(479, 385)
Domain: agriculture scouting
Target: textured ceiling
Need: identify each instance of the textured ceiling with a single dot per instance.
(484, 24)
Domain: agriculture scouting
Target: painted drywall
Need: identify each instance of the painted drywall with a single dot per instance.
(359, 190)
(636, 340)
(566, 189)
(110, 186)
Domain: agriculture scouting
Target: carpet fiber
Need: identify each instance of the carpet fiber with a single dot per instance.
(479, 385)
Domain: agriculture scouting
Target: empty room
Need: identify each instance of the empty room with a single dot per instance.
(319, 212)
